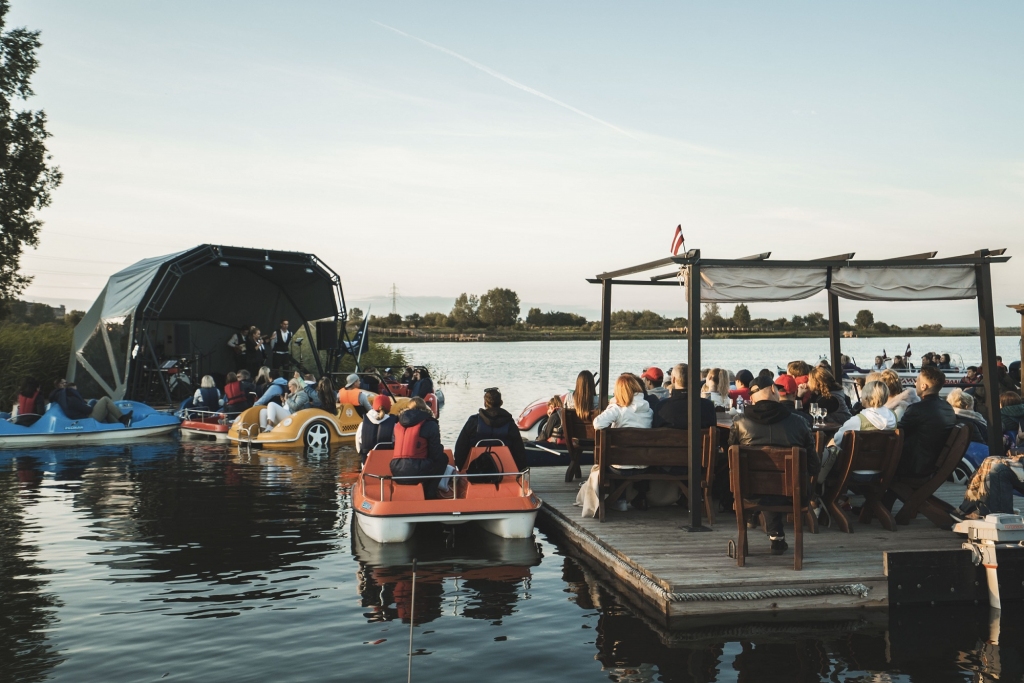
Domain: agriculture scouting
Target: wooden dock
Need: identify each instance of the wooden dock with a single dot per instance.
(671, 573)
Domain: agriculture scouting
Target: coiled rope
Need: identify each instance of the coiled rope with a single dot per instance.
(855, 589)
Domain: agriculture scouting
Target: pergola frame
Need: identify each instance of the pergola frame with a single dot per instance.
(691, 264)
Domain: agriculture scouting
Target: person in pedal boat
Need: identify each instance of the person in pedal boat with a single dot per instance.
(378, 427)
(76, 408)
(353, 395)
(491, 422)
(418, 449)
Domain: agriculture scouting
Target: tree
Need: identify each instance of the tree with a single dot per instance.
(435, 319)
(499, 307)
(26, 179)
(815, 319)
(649, 320)
(413, 320)
(712, 316)
(355, 314)
(554, 319)
(741, 315)
(464, 312)
(864, 319)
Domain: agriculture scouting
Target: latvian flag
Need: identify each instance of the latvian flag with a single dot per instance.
(678, 241)
(906, 354)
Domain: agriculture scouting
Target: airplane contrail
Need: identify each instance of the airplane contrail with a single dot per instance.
(501, 77)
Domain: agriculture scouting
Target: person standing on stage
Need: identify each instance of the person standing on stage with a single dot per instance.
(280, 342)
(237, 345)
(255, 351)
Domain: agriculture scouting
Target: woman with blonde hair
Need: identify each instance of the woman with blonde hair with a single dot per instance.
(629, 409)
(716, 387)
(207, 396)
(553, 427)
(899, 397)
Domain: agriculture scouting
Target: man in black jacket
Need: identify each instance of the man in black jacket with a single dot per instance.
(771, 423)
(674, 410)
(925, 425)
(491, 422)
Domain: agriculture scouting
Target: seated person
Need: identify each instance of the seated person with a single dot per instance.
(418, 450)
(1013, 374)
(900, 397)
(872, 416)
(628, 409)
(823, 389)
(31, 404)
(490, 422)
(991, 488)
(944, 362)
(925, 425)
(963, 406)
(552, 429)
(653, 378)
(584, 397)
(716, 388)
(353, 395)
(1011, 410)
(898, 363)
(327, 397)
(207, 396)
(295, 400)
(377, 427)
(771, 423)
(248, 387)
(422, 385)
(674, 410)
(879, 364)
(235, 398)
(742, 382)
(274, 390)
(76, 408)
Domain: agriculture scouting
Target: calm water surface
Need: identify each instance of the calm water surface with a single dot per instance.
(194, 562)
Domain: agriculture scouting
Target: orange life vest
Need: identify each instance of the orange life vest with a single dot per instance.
(409, 443)
(235, 396)
(349, 397)
(27, 404)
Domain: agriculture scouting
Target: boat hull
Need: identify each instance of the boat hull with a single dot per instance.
(81, 438)
(54, 428)
(399, 529)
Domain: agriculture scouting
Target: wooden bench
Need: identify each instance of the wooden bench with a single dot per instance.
(917, 492)
(757, 471)
(663, 447)
(875, 455)
(579, 437)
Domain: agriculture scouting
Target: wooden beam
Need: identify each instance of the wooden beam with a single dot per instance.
(915, 257)
(987, 332)
(694, 432)
(665, 276)
(834, 336)
(756, 257)
(606, 341)
(636, 269)
(838, 257)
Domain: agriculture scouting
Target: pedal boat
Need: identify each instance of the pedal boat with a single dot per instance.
(311, 428)
(388, 511)
(54, 428)
(201, 424)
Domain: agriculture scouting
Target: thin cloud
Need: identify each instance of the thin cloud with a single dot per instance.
(501, 77)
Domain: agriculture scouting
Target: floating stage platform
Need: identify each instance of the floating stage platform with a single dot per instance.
(671, 574)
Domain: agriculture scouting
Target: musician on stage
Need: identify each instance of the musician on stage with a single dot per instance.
(237, 345)
(280, 342)
(255, 351)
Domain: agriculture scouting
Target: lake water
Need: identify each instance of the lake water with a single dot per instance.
(194, 562)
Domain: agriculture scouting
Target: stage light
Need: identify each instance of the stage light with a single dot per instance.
(268, 267)
(223, 264)
(309, 270)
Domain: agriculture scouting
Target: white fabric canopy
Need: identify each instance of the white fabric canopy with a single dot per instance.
(740, 284)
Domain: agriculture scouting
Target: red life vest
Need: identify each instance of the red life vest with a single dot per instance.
(27, 404)
(234, 394)
(409, 443)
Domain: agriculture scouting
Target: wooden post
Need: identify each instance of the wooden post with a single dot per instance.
(606, 341)
(987, 332)
(693, 394)
(833, 336)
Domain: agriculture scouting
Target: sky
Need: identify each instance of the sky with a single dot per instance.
(454, 147)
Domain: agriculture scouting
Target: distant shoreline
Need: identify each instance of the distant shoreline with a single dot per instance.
(576, 335)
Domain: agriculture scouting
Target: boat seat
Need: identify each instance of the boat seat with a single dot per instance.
(411, 492)
(509, 485)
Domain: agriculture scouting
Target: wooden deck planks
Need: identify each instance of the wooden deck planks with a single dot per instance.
(651, 544)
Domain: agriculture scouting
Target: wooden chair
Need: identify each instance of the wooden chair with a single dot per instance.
(757, 471)
(663, 447)
(917, 492)
(579, 437)
(874, 455)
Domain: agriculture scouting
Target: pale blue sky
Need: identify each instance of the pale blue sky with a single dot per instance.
(806, 129)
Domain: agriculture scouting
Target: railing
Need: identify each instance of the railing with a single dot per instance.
(523, 478)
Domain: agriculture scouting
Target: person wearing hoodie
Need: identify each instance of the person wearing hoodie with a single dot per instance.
(1011, 409)
(963, 406)
(418, 449)
(275, 390)
(378, 427)
(900, 398)
(771, 423)
(491, 422)
(873, 416)
(925, 425)
(628, 409)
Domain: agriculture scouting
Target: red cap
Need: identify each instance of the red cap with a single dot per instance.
(788, 384)
(382, 402)
(654, 374)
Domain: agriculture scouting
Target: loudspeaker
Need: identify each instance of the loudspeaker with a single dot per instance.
(326, 335)
(182, 339)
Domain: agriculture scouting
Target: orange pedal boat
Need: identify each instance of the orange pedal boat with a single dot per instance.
(388, 511)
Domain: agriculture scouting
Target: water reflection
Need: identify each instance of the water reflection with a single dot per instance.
(488, 574)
